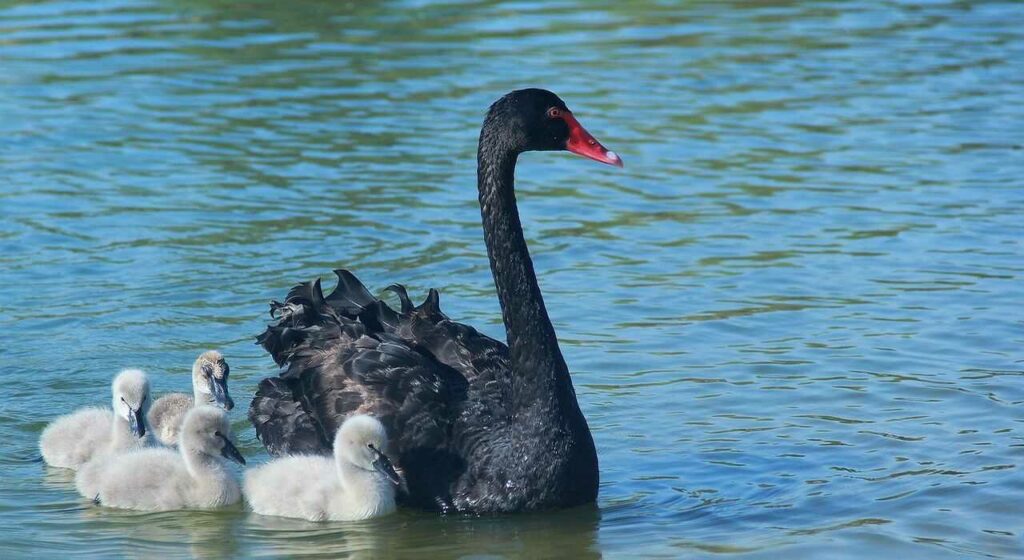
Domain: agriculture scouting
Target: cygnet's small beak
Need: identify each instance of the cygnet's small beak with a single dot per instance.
(384, 467)
(136, 423)
(219, 390)
(229, 451)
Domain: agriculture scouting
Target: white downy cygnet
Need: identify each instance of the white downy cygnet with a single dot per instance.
(358, 483)
(209, 386)
(194, 477)
(74, 439)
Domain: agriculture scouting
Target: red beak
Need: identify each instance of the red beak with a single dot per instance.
(582, 143)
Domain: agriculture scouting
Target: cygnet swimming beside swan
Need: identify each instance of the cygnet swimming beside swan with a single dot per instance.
(209, 386)
(74, 439)
(194, 477)
(358, 483)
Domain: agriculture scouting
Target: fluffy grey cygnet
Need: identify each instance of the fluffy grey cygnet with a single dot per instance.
(209, 386)
(74, 439)
(358, 483)
(194, 477)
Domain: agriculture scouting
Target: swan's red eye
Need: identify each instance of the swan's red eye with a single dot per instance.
(554, 113)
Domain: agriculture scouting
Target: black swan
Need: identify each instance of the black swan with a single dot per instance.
(476, 426)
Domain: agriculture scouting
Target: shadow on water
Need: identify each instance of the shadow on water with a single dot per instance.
(411, 533)
(221, 534)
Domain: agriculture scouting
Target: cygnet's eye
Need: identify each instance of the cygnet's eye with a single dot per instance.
(207, 370)
(554, 113)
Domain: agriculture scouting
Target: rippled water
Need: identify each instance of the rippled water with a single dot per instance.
(794, 319)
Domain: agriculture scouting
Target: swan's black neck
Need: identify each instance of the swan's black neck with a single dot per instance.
(540, 375)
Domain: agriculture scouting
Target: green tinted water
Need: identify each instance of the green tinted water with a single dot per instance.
(794, 319)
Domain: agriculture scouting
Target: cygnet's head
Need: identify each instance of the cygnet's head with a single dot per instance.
(131, 399)
(210, 378)
(361, 441)
(206, 430)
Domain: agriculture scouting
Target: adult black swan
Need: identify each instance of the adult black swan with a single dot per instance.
(476, 426)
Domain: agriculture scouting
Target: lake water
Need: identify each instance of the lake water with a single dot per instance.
(794, 319)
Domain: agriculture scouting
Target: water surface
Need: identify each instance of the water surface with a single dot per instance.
(794, 319)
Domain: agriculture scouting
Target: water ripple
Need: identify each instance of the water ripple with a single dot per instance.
(793, 319)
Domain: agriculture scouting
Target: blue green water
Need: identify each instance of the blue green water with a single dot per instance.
(794, 319)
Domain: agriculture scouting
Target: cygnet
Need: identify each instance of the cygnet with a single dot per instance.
(74, 439)
(357, 483)
(209, 386)
(195, 477)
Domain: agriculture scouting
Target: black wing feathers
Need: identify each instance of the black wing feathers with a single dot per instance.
(282, 424)
(349, 297)
(415, 370)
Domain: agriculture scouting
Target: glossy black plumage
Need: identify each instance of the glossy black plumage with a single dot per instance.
(475, 425)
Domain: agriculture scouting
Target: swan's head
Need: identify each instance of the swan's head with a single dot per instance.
(538, 120)
(206, 431)
(131, 399)
(210, 379)
(361, 441)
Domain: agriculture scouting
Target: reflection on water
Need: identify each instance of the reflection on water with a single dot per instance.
(410, 533)
(207, 534)
(793, 319)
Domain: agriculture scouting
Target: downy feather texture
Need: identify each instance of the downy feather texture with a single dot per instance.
(73, 440)
(356, 483)
(209, 386)
(194, 477)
